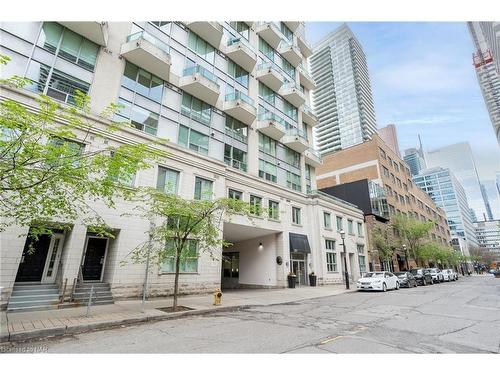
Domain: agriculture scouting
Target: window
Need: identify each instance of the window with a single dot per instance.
(327, 220)
(339, 222)
(201, 48)
(293, 181)
(274, 210)
(142, 82)
(290, 110)
(193, 140)
(396, 167)
(267, 94)
(255, 205)
(164, 26)
(242, 28)
(292, 157)
(393, 178)
(65, 152)
(286, 31)
(238, 73)
(350, 227)
(382, 153)
(399, 182)
(236, 129)
(360, 229)
(141, 118)
(195, 109)
(124, 179)
(235, 157)
(361, 249)
(203, 189)
(73, 47)
(267, 145)
(266, 49)
(235, 194)
(331, 257)
(188, 261)
(296, 215)
(168, 180)
(362, 263)
(385, 171)
(405, 187)
(268, 170)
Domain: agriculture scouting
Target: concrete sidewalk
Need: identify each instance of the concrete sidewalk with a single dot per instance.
(21, 326)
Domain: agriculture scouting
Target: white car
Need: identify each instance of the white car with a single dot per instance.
(437, 275)
(382, 280)
(446, 275)
(452, 275)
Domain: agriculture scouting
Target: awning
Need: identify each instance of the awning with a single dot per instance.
(299, 243)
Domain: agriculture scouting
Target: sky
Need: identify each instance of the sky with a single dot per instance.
(423, 81)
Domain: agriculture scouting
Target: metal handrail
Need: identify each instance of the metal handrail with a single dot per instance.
(80, 275)
(73, 289)
(63, 295)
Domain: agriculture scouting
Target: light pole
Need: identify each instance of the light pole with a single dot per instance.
(346, 274)
(406, 257)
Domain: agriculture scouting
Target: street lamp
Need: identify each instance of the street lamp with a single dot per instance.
(346, 274)
(406, 257)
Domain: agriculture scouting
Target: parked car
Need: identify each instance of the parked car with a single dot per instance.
(382, 280)
(406, 279)
(452, 275)
(437, 275)
(446, 275)
(423, 276)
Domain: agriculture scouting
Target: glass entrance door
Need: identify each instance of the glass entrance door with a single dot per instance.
(299, 269)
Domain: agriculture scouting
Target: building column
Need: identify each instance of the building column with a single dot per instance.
(73, 252)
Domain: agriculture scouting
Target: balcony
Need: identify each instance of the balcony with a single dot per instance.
(237, 164)
(241, 107)
(313, 157)
(305, 48)
(200, 83)
(308, 116)
(238, 51)
(292, 25)
(97, 32)
(296, 140)
(271, 125)
(293, 93)
(209, 31)
(149, 53)
(270, 33)
(305, 78)
(270, 76)
(291, 53)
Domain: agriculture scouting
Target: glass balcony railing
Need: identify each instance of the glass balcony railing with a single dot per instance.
(308, 110)
(202, 71)
(293, 85)
(271, 117)
(238, 135)
(238, 95)
(304, 72)
(314, 153)
(295, 132)
(235, 163)
(266, 65)
(151, 39)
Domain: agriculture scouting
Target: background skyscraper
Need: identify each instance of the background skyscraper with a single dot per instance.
(415, 158)
(390, 136)
(343, 98)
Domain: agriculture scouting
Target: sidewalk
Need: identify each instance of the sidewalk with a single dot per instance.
(21, 326)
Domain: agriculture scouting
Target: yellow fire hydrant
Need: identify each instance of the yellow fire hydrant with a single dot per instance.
(217, 297)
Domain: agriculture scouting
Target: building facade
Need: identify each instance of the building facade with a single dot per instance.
(390, 136)
(376, 162)
(488, 236)
(343, 98)
(447, 192)
(232, 98)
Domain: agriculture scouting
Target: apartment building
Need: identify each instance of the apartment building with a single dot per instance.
(488, 236)
(376, 162)
(232, 98)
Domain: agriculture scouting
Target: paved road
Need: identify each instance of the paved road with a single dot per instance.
(455, 317)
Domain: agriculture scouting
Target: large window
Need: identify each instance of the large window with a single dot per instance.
(267, 144)
(266, 49)
(327, 220)
(141, 118)
(196, 109)
(201, 48)
(203, 189)
(274, 212)
(142, 82)
(286, 31)
(267, 170)
(236, 129)
(255, 205)
(360, 229)
(296, 213)
(290, 110)
(350, 227)
(69, 45)
(293, 181)
(267, 94)
(242, 28)
(193, 140)
(362, 263)
(238, 73)
(331, 257)
(339, 223)
(292, 157)
(235, 194)
(188, 260)
(234, 157)
(168, 180)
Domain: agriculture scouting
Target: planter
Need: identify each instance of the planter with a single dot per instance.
(292, 280)
(312, 280)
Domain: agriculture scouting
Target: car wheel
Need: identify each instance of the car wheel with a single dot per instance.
(384, 287)
(432, 282)
(424, 283)
(397, 285)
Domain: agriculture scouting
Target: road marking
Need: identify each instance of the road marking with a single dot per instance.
(330, 340)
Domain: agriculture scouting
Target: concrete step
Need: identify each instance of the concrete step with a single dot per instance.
(33, 292)
(37, 303)
(32, 308)
(21, 287)
(36, 297)
(99, 301)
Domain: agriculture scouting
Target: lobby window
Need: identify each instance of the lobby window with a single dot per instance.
(201, 48)
(168, 180)
(296, 219)
(267, 94)
(274, 211)
(327, 220)
(235, 194)
(255, 205)
(238, 73)
(236, 129)
(188, 260)
(339, 223)
(350, 227)
(360, 229)
(293, 181)
(242, 28)
(142, 82)
(267, 170)
(193, 140)
(292, 157)
(203, 189)
(73, 47)
(234, 157)
(141, 118)
(195, 109)
(267, 145)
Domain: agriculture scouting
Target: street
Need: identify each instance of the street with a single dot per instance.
(454, 317)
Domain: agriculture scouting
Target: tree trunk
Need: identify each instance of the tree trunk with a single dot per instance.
(176, 282)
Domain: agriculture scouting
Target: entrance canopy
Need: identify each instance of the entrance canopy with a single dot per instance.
(299, 243)
(236, 233)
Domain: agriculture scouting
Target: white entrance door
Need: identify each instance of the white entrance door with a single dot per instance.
(53, 257)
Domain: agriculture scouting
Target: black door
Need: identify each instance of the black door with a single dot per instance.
(32, 265)
(94, 258)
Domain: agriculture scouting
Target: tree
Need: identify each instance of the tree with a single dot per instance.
(178, 223)
(413, 232)
(481, 255)
(47, 176)
(384, 242)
